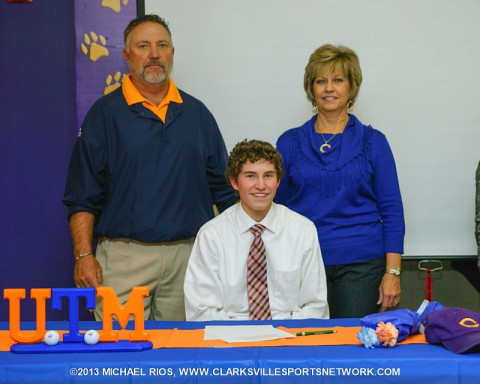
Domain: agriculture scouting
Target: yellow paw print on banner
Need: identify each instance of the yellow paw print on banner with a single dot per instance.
(94, 46)
(113, 82)
(114, 5)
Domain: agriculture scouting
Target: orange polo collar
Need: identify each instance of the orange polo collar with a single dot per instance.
(133, 96)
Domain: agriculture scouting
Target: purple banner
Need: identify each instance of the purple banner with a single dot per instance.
(100, 67)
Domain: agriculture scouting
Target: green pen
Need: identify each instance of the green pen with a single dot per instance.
(316, 332)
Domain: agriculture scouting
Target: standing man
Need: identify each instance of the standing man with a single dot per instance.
(147, 167)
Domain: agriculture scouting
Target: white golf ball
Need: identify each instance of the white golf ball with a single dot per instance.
(52, 338)
(91, 337)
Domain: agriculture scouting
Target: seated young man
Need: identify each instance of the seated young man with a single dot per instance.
(276, 273)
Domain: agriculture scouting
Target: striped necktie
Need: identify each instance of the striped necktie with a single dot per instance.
(257, 286)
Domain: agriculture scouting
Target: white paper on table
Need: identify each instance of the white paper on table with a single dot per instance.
(244, 333)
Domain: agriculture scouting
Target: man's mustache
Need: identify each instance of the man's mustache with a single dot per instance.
(155, 62)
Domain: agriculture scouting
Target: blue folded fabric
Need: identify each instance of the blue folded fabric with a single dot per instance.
(406, 321)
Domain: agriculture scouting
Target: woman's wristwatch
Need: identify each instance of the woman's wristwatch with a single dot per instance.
(393, 271)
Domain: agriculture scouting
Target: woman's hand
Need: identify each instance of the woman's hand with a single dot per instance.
(389, 292)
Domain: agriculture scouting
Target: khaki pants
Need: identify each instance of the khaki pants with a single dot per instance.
(161, 267)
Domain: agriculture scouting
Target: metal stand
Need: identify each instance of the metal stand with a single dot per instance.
(429, 266)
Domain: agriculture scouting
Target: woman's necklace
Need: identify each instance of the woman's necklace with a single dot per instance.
(325, 145)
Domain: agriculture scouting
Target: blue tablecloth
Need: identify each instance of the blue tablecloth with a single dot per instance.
(413, 363)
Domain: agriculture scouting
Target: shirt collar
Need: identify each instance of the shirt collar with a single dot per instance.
(245, 222)
(132, 94)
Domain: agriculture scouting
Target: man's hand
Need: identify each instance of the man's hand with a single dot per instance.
(88, 272)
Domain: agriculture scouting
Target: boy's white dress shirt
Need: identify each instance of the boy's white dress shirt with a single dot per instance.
(216, 279)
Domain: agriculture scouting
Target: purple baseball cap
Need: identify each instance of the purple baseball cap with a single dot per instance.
(457, 329)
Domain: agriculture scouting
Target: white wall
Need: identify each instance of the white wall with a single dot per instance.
(421, 63)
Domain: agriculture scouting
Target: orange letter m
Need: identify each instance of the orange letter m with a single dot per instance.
(112, 307)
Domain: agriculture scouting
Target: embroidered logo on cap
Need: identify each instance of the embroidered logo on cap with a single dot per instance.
(468, 322)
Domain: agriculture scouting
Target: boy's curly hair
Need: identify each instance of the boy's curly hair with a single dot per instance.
(253, 151)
